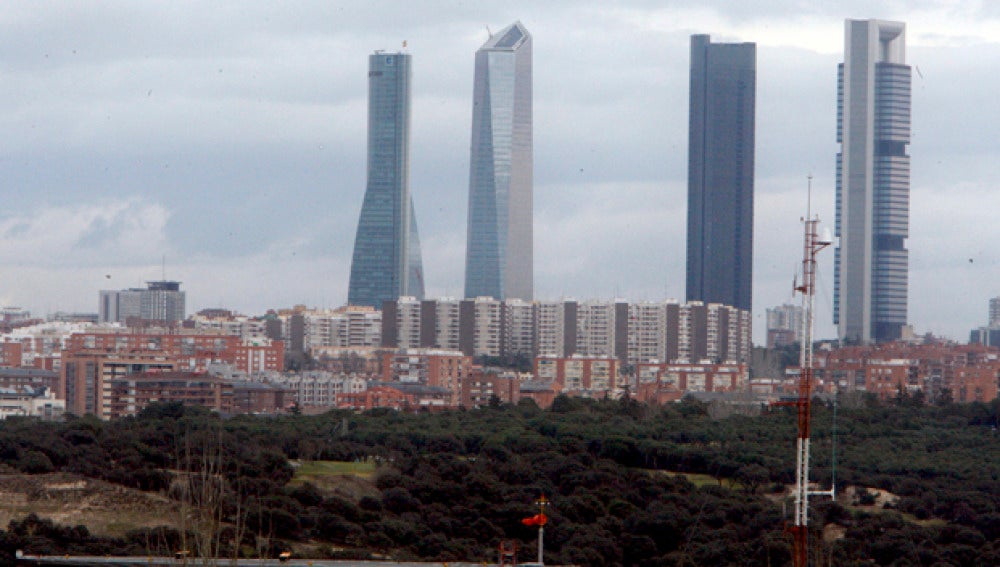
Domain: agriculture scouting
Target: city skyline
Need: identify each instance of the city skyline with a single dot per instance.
(387, 263)
(233, 145)
(721, 172)
(499, 248)
(873, 182)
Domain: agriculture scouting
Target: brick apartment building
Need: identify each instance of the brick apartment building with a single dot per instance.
(969, 372)
(128, 395)
(29, 377)
(446, 369)
(91, 360)
(480, 388)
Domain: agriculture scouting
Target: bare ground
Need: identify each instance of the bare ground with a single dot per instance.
(106, 509)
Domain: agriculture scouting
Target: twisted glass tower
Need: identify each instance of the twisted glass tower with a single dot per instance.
(873, 182)
(498, 254)
(386, 262)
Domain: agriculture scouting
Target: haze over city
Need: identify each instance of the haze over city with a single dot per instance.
(230, 141)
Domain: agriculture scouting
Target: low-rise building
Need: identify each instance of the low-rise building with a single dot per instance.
(440, 368)
(128, 395)
(29, 377)
(662, 382)
(26, 401)
(319, 389)
(936, 369)
(481, 388)
(579, 375)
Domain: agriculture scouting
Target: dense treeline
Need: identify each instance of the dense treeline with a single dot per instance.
(452, 484)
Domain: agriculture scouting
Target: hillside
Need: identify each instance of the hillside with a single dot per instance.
(70, 499)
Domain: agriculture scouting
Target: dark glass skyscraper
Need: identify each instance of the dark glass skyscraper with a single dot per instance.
(720, 172)
(873, 182)
(498, 256)
(386, 262)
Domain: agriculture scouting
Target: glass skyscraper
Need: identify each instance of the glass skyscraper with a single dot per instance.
(873, 182)
(498, 255)
(386, 262)
(721, 172)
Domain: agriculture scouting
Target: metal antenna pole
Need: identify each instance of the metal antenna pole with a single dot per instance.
(800, 528)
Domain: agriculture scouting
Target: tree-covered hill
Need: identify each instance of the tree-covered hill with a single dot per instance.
(627, 483)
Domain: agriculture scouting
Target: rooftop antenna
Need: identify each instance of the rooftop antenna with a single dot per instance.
(488, 32)
(809, 195)
(163, 267)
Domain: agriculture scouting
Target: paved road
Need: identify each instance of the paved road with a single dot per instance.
(86, 561)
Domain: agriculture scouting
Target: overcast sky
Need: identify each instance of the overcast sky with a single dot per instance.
(229, 138)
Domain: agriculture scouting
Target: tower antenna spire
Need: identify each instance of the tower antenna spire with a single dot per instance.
(803, 404)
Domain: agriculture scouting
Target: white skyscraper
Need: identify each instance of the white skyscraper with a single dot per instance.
(873, 182)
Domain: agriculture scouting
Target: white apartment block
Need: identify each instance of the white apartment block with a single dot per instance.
(447, 332)
(408, 322)
(667, 331)
(28, 402)
(320, 389)
(595, 328)
(550, 328)
(519, 328)
(246, 328)
(647, 332)
(486, 334)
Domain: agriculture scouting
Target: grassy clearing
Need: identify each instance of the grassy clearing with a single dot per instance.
(700, 480)
(315, 470)
(345, 478)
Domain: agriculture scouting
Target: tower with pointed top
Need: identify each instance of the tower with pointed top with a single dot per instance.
(387, 263)
(499, 256)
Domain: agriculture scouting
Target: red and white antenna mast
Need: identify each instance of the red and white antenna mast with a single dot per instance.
(800, 528)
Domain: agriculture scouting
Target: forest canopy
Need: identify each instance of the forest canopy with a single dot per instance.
(629, 484)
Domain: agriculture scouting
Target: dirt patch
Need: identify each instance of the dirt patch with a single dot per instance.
(833, 532)
(345, 486)
(882, 498)
(106, 509)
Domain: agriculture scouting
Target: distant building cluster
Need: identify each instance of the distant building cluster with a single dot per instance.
(392, 347)
(990, 334)
(92, 361)
(784, 325)
(436, 354)
(939, 371)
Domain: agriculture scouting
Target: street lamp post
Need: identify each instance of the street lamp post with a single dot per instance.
(542, 502)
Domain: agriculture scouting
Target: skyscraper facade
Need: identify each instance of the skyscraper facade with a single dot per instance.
(499, 258)
(873, 182)
(387, 261)
(721, 172)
